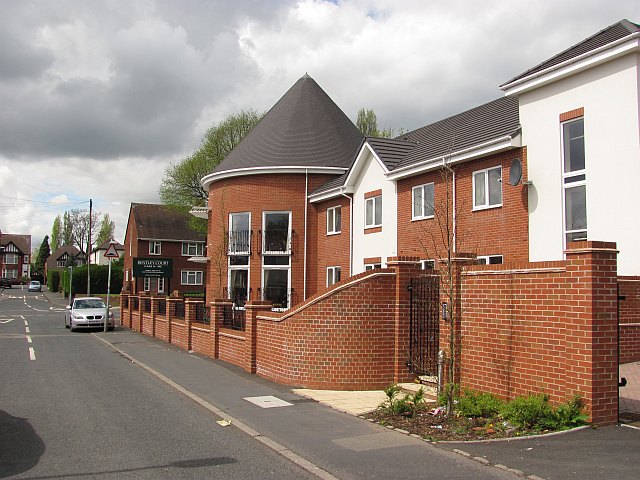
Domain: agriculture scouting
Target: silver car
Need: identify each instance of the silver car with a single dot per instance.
(35, 286)
(87, 312)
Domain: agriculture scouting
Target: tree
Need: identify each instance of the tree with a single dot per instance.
(56, 233)
(41, 257)
(67, 230)
(180, 186)
(79, 224)
(107, 229)
(367, 123)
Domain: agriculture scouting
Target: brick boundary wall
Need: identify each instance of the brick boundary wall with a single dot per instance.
(545, 327)
(629, 308)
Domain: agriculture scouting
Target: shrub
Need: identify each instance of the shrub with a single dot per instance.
(528, 412)
(567, 415)
(53, 280)
(406, 405)
(478, 404)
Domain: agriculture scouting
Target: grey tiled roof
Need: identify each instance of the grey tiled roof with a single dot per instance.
(163, 223)
(22, 242)
(337, 181)
(608, 35)
(490, 121)
(304, 128)
(70, 250)
(391, 150)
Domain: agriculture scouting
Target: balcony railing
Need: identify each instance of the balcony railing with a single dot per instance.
(280, 298)
(234, 318)
(238, 296)
(239, 242)
(276, 241)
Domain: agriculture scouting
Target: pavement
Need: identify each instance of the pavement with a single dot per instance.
(319, 430)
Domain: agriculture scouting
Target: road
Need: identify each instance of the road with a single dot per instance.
(63, 414)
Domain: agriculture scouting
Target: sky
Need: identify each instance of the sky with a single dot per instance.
(98, 98)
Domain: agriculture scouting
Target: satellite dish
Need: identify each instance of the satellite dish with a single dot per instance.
(515, 173)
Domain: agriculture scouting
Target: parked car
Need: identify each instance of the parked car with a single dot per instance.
(5, 283)
(87, 312)
(35, 286)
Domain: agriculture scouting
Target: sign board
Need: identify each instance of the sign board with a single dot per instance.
(111, 251)
(153, 267)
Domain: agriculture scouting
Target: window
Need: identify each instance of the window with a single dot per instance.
(427, 264)
(147, 284)
(190, 277)
(161, 285)
(372, 266)
(238, 290)
(373, 212)
(487, 188)
(192, 249)
(574, 181)
(422, 201)
(489, 259)
(10, 259)
(333, 275)
(334, 220)
(276, 280)
(277, 233)
(155, 247)
(239, 234)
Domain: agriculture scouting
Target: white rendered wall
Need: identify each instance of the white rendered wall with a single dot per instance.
(382, 244)
(609, 94)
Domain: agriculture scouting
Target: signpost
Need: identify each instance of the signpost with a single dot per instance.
(111, 253)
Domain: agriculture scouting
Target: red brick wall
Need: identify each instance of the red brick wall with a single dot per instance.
(494, 231)
(544, 327)
(162, 329)
(344, 341)
(257, 194)
(179, 334)
(201, 341)
(629, 307)
(233, 348)
(629, 342)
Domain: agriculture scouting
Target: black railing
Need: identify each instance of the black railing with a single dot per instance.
(239, 242)
(280, 298)
(178, 310)
(276, 241)
(135, 303)
(146, 304)
(238, 296)
(234, 318)
(203, 314)
(162, 306)
(125, 302)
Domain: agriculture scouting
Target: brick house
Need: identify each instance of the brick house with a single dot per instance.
(158, 232)
(62, 257)
(15, 256)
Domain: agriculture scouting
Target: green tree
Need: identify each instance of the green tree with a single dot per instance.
(180, 186)
(41, 257)
(107, 229)
(67, 230)
(367, 123)
(56, 233)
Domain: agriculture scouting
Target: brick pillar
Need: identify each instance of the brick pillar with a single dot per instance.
(154, 313)
(406, 268)
(254, 308)
(592, 350)
(125, 313)
(189, 318)
(217, 315)
(170, 314)
(141, 312)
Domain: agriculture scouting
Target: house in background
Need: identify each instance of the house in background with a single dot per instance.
(97, 256)
(15, 256)
(162, 253)
(62, 258)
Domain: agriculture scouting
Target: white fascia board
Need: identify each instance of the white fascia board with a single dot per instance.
(477, 151)
(570, 67)
(170, 240)
(329, 194)
(239, 172)
(357, 165)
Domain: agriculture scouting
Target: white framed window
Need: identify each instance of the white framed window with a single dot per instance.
(10, 259)
(155, 247)
(276, 280)
(238, 279)
(334, 220)
(373, 212)
(427, 264)
(487, 188)
(422, 202)
(239, 233)
(147, 284)
(161, 285)
(371, 266)
(191, 277)
(574, 181)
(333, 275)
(276, 238)
(489, 259)
(192, 249)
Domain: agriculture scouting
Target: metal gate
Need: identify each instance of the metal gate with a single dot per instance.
(424, 336)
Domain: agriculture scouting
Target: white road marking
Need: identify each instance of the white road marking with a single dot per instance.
(32, 353)
(7, 320)
(29, 340)
(26, 323)
(27, 330)
(268, 401)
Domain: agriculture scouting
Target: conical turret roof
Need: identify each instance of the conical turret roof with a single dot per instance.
(305, 129)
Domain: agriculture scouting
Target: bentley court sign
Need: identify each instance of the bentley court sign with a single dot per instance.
(153, 267)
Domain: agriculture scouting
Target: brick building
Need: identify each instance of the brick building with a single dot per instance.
(160, 233)
(15, 256)
(63, 257)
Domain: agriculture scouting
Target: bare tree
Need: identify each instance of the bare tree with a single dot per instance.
(79, 227)
(217, 251)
